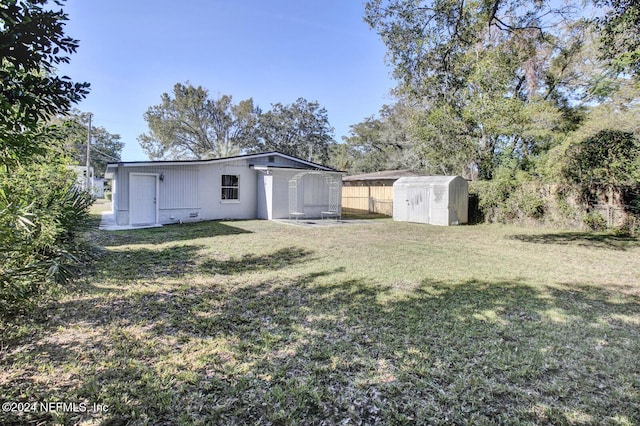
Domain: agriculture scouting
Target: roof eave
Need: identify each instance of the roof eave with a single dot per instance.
(217, 160)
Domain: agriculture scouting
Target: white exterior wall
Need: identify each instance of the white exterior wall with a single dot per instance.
(193, 191)
(280, 193)
(114, 196)
(400, 202)
(178, 198)
(213, 206)
(439, 204)
(265, 189)
(436, 200)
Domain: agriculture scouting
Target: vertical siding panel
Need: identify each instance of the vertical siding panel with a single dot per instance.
(123, 188)
(179, 189)
(316, 190)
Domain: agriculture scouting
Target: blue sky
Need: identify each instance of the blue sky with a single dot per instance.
(132, 51)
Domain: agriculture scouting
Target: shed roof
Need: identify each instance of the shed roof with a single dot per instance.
(383, 174)
(426, 180)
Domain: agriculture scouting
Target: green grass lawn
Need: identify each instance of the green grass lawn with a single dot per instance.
(256, 322)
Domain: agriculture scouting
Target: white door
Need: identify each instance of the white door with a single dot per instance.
(418, 205)
(142, 199)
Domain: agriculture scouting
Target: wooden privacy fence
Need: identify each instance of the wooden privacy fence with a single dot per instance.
(368, 199)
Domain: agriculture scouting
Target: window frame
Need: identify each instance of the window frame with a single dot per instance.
(230, 187)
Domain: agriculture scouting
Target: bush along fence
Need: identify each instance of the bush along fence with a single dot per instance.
(594, 208)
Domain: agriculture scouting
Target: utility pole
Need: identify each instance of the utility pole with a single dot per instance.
(86, 180)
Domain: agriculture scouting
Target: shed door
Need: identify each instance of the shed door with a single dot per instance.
(418, 205)
(142, 201)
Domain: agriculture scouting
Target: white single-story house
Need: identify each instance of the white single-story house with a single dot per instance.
(436, 200)
(95, 185)
(268, 185)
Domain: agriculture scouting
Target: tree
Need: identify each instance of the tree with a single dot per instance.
(32, 44)
(386, 142)
(363, 147)
(480, 73)
(190, 125)
(42, 215)
(620, 28)
(301, 129)
(44, 219)
(445, 142)
(105, 147)
(604, 149)
(608, 158)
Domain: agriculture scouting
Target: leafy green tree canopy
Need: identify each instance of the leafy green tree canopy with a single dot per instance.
(620, 27)
(301, 129)
(362, 151)
(485, 76)
(190, 125)
(32, 44)
(43, 215)
(105, 147)
(609, 158)
(384, 142)
(431, 43)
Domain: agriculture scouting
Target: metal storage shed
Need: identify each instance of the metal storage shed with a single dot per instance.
(436, 200)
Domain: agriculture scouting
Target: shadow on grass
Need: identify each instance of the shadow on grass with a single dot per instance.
(363, 215)
(142, 263)
(586, 239)
(351, 351)
(250, 262)
(168, 233)
(175, 262)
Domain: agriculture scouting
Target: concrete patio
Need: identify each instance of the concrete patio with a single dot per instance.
(108, 223)
(323, 223)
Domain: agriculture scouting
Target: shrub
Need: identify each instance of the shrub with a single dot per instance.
(564, 209)
(529, 201)
(594, 221)
(43, 219)
(509, 197)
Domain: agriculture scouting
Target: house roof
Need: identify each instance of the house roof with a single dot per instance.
(111, 167)
(383, 174)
